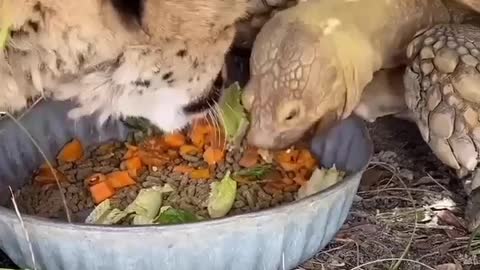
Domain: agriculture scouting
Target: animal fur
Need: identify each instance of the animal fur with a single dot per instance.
(149, 58)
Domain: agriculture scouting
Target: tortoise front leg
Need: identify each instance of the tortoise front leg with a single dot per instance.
(442, 89)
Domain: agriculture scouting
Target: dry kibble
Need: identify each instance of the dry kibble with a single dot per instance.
(189, 194)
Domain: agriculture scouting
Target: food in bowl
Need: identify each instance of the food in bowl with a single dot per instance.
(204, 172)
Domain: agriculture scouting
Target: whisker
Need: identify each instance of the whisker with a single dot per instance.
(222, 120)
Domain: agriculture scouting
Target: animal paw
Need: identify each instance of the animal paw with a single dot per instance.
(443, 91)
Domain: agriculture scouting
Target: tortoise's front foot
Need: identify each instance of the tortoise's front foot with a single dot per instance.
(443, 91)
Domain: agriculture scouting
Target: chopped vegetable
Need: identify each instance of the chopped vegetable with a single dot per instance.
(258, 172)
(200, 174)
(46, 175)
(306, 159)
(189, 150)
(213, 156)
(174, 140)
(146, 205)
(288, 160)
(233, 114)
(95, 179)
(183, 169)
(105, 214)
(153, 158)
(101, 191)
(119, 179)
(71, 152)
(222, 195)
(176, 216)
(320, 180)
(249, 158)
(199, 133)
(133, 165)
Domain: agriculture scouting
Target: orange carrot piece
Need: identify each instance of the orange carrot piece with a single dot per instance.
(249, 158)
(133, 165)
(306, 159)
(152, 158)
(174, 140)
(119, 179)
(183, 169)
(212, 155)
(189, 149)
(47, 176)
(71, 152)
(200, 174)
(101, 191)
(199, 133)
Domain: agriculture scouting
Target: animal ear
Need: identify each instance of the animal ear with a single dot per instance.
(130, 11)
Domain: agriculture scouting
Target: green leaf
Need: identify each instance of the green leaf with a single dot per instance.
(222, 196)
(105, 214)
(258, 172)
(176, 216)
(233, 114)
(146, 205)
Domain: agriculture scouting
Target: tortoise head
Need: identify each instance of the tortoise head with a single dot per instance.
(295, 83)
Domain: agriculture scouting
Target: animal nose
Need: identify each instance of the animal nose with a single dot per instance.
(260, 139)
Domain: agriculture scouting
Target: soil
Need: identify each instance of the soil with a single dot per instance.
(404, 178)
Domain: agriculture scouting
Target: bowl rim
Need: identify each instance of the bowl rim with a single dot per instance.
(42, 221)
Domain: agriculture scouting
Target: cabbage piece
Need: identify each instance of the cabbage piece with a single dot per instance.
(146, 205)
(222, 195)
(233, 114)
(105, 214)
(320, 180)
(175, 216)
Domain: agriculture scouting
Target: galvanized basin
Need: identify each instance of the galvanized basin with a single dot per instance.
(278, 238)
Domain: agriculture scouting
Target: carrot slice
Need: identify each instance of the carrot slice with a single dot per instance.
(101, 191)
(133, 165)
(249, 158)
(189, 149)
(174, 140)
(46, 175)
(183, 169)
(199, 133)
(212, 155)
(306, 159)
(119, 179)
(71, 152)
(200, 174)
(152, 158)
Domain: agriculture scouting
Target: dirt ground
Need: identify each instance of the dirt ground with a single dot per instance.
(409, 206)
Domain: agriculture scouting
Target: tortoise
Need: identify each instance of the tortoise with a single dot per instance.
(319, 62)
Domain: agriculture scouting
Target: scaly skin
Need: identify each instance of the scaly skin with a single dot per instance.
(311, 62)
(316, 63)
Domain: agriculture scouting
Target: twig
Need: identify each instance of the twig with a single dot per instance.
(27, 237)
(392, 259)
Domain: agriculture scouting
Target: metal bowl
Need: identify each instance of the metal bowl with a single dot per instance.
(277, 238)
